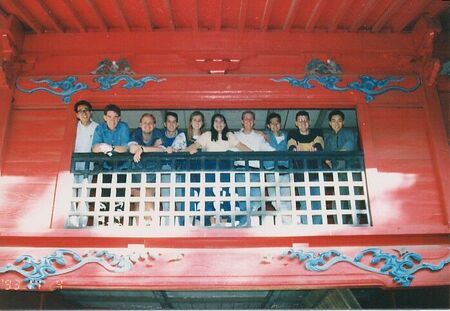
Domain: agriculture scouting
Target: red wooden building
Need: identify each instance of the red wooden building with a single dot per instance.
(381, 223)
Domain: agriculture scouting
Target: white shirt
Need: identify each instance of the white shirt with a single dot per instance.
(83, 141)
(255, 142)
(219, 145)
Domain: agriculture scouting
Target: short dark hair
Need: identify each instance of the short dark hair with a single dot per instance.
(170, 113)
(111, 107)
(271, 116)
(302, 113)
(336, 113)
(82, 103)
(250, 112)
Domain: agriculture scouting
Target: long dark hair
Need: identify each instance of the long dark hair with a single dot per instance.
(214, 133)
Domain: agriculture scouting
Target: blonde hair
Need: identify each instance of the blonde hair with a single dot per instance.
(147, 115)
(190, 129)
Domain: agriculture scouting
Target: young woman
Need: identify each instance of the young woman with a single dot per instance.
(195, 128)
(218, 138)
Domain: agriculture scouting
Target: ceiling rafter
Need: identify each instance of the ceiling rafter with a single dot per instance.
(403, 22)
(242, 14)
(344, 5)
(367, 9)
(218, 22)
(79, 23)
(123, 19)
(97, 13)
(195, 16)
(315, 15)
(23, 13)
(292, 14)
(388, 13)
(268, 8)
(168, 6)
(148, 19)
(53, 19)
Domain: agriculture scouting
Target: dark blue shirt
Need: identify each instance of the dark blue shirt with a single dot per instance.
(138, 138)
(344, 140)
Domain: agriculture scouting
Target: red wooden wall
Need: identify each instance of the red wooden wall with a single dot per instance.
(403, 136)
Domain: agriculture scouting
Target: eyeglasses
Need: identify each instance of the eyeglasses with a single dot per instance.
(83, 110)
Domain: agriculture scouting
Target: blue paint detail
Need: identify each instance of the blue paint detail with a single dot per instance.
(64, 88)
(36, 271)
(107, 82)
(401, 268)
(445, 71)
(366, 84)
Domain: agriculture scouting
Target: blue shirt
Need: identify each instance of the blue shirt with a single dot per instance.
(138, 138)
(168, 141)
(278, 146)
(120, 136)
(344, 140)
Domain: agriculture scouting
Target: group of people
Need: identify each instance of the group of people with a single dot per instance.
(113, 135)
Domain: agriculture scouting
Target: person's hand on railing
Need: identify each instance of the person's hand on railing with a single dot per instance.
(105, 148)
(157, 143)
(170, 150)
(137, 155)
(193, 148)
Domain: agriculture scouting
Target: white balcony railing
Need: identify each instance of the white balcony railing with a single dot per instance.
(219, 190)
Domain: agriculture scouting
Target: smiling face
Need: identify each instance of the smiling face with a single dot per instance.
(302, 122)
(147, 124)
(248, 122)
(274, 125)
(197, 122)
(219, 124)
(336, 123)
(84, 114)
(112, 119)
(171, 124)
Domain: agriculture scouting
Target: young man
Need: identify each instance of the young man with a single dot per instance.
(172, 139)
(143, 140)
(305, 138)
(256, 142)
(113, 135)
(83, 143)
(145, 137)
(252, 139)
(85, 126)
(339, 139)
(276, 137)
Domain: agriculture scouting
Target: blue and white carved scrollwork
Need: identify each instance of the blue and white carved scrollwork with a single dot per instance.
(64, 261)
(64, 88)
(107, 82)
(366, 84)
(401, 268)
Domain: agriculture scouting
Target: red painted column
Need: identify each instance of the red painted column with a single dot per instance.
(11, 40)
(5, 109)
